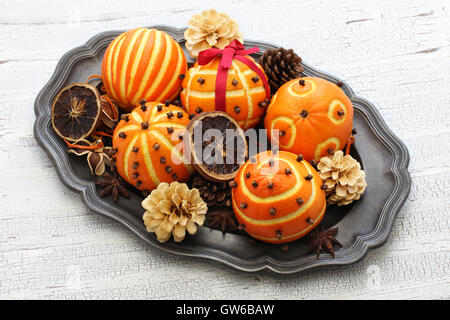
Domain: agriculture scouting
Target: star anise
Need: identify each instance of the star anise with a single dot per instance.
(112, 184)
(321, 239)
(222, 220)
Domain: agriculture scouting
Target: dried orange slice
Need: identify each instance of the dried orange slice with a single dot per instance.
(76, 111)
(217, 145)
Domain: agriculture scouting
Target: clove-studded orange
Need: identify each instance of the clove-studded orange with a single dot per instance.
(143, 64)
(313, 117)
(149, 146)
(278, 197)
(245, 92)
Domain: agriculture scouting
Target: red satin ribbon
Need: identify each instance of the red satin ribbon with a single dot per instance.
(235, 50)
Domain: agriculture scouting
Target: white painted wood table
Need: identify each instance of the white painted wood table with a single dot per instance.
(394, 53)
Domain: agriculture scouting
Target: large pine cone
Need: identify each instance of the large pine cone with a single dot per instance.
(281, 66)
(216, 194)
(172, 209)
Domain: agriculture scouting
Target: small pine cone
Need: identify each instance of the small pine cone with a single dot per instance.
(215, 194)
(343, 177)
(281, 66)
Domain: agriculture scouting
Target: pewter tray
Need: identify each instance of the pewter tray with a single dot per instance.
(363, 225)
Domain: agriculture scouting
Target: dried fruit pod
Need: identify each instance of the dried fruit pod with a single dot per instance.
(217, 145)
(76, 111)
(313, 116)
(143, 64)
(109, 115)
(278, 198)
(245, 92)
(149, 144)
(98, 156)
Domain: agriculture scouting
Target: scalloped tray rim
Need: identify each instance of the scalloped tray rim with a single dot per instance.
(354, 253)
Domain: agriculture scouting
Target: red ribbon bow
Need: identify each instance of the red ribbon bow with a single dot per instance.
(235, 50)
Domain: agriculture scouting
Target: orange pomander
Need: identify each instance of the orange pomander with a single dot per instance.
(149, 146)
(314, 117)
(143, 64)
(278, 198)
(245, 96)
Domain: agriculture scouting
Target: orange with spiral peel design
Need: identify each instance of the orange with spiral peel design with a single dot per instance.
(314, 117)
(245, 92)
(149, 146)
(277, 198)
(143, 64)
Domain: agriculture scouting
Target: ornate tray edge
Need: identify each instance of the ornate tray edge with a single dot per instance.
(357, 251)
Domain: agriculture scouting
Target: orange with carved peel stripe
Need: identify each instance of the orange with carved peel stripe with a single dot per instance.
(278, 198)
(143, 64)
(314, 117)
(245, 96)
(150, 147)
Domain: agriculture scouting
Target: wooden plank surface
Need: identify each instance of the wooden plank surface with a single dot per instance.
(394, 53)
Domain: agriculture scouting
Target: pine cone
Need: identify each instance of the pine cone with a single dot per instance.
(281, 66)
(343, 177)
(210, 29)
(216, 194)
(173, 209)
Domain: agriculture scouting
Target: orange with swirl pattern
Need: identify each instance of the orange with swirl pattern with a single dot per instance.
(314, 117)
(143, 64)
(245, 96)
(278, 197)
(149, 148)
